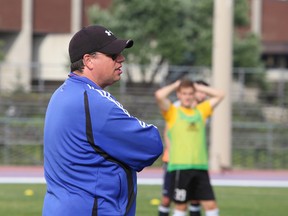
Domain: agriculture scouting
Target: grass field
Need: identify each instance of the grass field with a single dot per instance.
(18, 200)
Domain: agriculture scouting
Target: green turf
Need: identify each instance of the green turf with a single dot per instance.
(14, 202)
(233, 201)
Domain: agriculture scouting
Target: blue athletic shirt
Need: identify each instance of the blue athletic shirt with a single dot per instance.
(92, 150)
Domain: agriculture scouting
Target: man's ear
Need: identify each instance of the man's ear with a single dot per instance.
(87, 61)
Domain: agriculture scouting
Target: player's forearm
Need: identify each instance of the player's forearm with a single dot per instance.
(165, 91)
(162, 94)
(211, 92)
(215, 95)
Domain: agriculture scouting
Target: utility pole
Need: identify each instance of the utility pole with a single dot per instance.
(76, 15)
(16, 71)
(256, 16)
(221, 126)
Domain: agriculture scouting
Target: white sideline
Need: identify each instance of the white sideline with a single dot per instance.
(22, 180)
(159, 181)
(224, 182)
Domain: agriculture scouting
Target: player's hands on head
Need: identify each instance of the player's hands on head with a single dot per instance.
(177, 83)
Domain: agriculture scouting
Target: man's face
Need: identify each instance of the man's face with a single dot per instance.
(186, 96)
(107, 69)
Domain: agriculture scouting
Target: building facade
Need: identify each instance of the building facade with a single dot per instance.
(36, 34)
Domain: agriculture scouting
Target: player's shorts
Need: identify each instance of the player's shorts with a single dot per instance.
(166, 189)
(191, 185)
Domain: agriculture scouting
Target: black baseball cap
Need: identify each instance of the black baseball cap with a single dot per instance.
(96, 38)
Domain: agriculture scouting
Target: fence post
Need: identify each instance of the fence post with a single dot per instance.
(6, 142)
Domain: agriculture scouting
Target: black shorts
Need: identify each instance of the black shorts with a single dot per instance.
(167, 189)
(191, 185)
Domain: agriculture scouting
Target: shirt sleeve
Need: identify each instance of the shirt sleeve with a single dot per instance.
(205, 109)
(123, 136)
(170, 115)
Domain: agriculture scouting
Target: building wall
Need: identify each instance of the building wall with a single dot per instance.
(51, 55)
(275, 33)
(52, 16)
(52, 29)
(10, 15)
(51, 49)
(274, 21)
(40, 31)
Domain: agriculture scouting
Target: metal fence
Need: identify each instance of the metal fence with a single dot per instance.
(259, 115)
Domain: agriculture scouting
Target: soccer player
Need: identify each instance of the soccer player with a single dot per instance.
(164, 207)
(188, 157)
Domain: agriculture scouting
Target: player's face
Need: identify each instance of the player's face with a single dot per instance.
(186, 96)
(200, 96)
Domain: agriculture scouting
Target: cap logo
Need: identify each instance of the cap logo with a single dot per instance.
(109, 33)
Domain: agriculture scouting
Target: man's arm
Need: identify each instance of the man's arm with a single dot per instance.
(215, 95)
(162, 94)
(120, 135)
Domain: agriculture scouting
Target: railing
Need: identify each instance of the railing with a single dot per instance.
(259, 133)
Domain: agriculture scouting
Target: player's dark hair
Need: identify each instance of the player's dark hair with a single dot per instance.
(201, 82)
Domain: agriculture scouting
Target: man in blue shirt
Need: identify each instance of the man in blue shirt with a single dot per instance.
(93, 147)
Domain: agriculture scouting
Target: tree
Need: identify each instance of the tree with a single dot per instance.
(174, 32)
